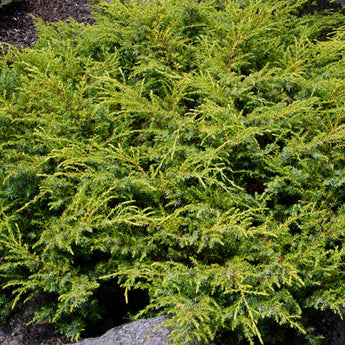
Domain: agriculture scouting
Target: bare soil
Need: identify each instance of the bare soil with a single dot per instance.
(17, 25)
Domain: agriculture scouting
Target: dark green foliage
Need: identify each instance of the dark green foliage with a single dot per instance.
(4, 2)
(192, 149)
(7, 2)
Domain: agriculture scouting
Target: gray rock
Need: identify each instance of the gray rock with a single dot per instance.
(139, 332)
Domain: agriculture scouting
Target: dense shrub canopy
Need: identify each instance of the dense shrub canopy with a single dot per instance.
(192, 149)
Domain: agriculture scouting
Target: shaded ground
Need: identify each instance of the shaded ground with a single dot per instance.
(18, 332)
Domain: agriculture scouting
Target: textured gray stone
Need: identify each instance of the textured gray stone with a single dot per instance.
(141, 332)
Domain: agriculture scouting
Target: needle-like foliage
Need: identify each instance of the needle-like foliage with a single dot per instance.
(192, 149)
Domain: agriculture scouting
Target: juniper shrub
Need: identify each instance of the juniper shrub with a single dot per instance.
(190, 149)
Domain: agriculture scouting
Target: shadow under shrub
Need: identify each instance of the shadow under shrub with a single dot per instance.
(190, 149)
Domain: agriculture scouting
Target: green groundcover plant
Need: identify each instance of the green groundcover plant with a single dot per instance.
(6, 2)
(190, 149)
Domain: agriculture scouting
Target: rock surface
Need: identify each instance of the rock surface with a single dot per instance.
(139, 332)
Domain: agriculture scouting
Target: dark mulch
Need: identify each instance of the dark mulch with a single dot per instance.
(17, 25)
